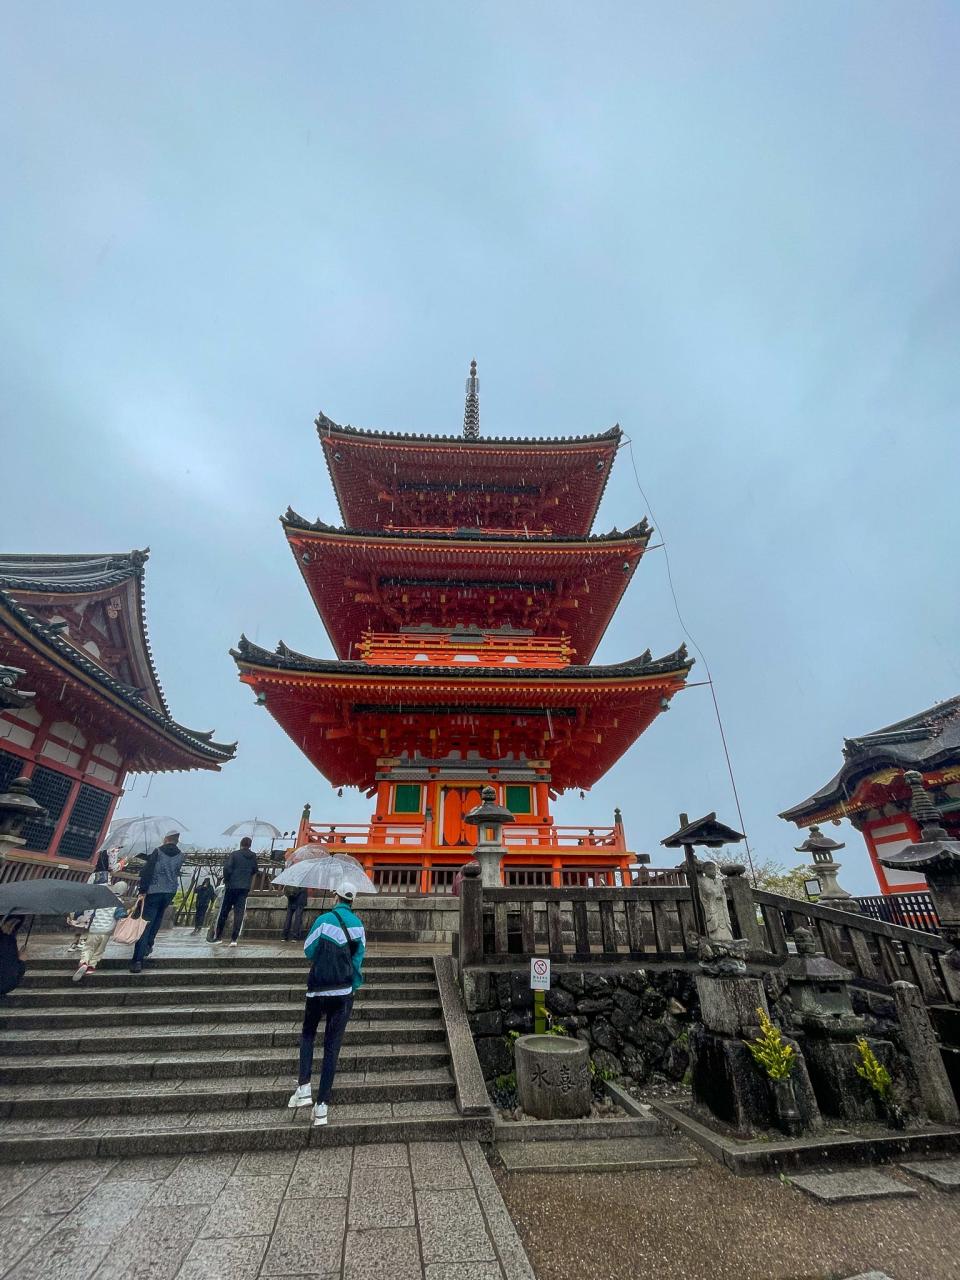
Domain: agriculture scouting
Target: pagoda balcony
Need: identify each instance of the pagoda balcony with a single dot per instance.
(382, 837)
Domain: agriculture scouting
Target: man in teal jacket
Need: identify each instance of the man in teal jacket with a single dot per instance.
(335, 947)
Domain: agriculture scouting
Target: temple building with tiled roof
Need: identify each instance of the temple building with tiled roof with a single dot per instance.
(870, 790)
(81, 705)
(464, 596)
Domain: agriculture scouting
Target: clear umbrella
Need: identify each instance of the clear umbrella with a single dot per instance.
(254, 827)
(331, 872)
(138, 836)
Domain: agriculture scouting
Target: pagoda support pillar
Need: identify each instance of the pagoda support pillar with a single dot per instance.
(556, 874)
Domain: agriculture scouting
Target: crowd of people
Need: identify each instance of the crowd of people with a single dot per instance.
(335, 945)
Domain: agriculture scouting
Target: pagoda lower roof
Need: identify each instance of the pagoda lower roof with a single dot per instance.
(363, 581)
(928, 741)
(67, 675)
(384, 477)
(345, 716)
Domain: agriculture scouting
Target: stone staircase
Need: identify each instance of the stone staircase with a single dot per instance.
(198, 1054)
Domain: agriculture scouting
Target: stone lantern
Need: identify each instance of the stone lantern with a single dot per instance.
(937, 857)
(822, 848)
(489, 818)
(17, 808)
(820, 991)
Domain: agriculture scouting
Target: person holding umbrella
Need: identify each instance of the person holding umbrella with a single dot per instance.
(335, 947)
(205, 895)
(12, 967)
(159, 882)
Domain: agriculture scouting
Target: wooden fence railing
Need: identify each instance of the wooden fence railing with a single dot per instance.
(655, 924)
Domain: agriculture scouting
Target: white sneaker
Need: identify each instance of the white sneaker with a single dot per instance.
(320, 1113)
(302, 1097)
(217, 942)
(80, 973)
(234, 944)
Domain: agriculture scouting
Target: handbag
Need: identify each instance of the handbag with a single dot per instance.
(131, 928)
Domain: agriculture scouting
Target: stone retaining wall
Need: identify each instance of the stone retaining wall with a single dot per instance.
(386, 917)
(635, 1020)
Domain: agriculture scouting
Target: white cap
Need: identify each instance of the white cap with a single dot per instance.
(347, 895)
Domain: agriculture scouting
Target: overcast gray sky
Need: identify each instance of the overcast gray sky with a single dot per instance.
(732, 228)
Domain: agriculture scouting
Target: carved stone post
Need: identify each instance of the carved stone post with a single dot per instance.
(471, 916)
(924, 1050)
(744, 907)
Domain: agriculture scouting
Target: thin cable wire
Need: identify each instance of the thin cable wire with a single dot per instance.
(706, 665)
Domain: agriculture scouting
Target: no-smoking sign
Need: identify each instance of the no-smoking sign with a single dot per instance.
(539, 974)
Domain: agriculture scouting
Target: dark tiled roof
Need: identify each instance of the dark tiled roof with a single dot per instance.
(326, 426)
(641, 531)
(287, 659)
(78, 575)
(926, 740)
(29, 573)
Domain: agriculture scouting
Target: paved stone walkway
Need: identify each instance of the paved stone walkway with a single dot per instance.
(423, 1211)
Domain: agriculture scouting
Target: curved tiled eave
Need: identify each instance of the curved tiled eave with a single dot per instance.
(74, 678)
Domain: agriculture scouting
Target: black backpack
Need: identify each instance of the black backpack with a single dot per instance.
(332, 966)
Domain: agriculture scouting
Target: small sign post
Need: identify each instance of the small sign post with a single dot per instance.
(539, 983)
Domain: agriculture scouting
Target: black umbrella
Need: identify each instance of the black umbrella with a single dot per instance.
(52, 897)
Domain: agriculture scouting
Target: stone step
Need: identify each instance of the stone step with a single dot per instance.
(153, 1098)
(147, 993)
(168, 1016)
(198, 1132)
(409, 1049)
(594, 1155)
(247, 976)
(577, 1130)
(230, 960)
(232, 1037)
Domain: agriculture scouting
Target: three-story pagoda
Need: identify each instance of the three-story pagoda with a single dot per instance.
(464, 597)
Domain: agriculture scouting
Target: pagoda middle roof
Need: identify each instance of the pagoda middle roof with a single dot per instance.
(379, 581)
(382, 477)
(929, 740)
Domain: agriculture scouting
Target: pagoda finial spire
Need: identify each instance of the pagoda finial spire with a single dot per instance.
(471, 410)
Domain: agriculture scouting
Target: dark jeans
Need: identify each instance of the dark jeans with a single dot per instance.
(337, 1011)
(200, 917)
(294, 921)
(154, 905)
(234, 900)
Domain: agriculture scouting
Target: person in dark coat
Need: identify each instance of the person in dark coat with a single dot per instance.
(205, 895)
(296, 901)
(159, 882)
(238, 872)
(12, 967)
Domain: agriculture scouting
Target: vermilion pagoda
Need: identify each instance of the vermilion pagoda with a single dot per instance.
(464, 598)
(80, 702)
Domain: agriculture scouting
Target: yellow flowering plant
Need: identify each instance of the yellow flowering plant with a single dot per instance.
(769, 1051)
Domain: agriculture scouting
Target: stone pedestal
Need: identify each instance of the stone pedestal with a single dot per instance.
(729, 1005)
(726, 1081)
(841, 1093)
(553, 1077)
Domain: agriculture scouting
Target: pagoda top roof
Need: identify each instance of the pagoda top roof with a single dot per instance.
(283, 658)
(28, 578)
(327, 427)
(405, 479)
(925, 741)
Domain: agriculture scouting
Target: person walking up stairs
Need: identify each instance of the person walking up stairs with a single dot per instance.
(335, 947)
(238, 872)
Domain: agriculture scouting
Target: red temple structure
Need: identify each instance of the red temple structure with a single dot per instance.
(464, 597)
(871, 792)
(80, 702)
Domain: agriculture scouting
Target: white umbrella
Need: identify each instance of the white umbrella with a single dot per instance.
(254, 827)
(140, 835)
(331, 872)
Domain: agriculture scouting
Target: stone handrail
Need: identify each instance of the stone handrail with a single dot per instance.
(655, 924)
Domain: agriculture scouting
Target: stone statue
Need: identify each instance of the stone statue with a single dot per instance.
(713, 897)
